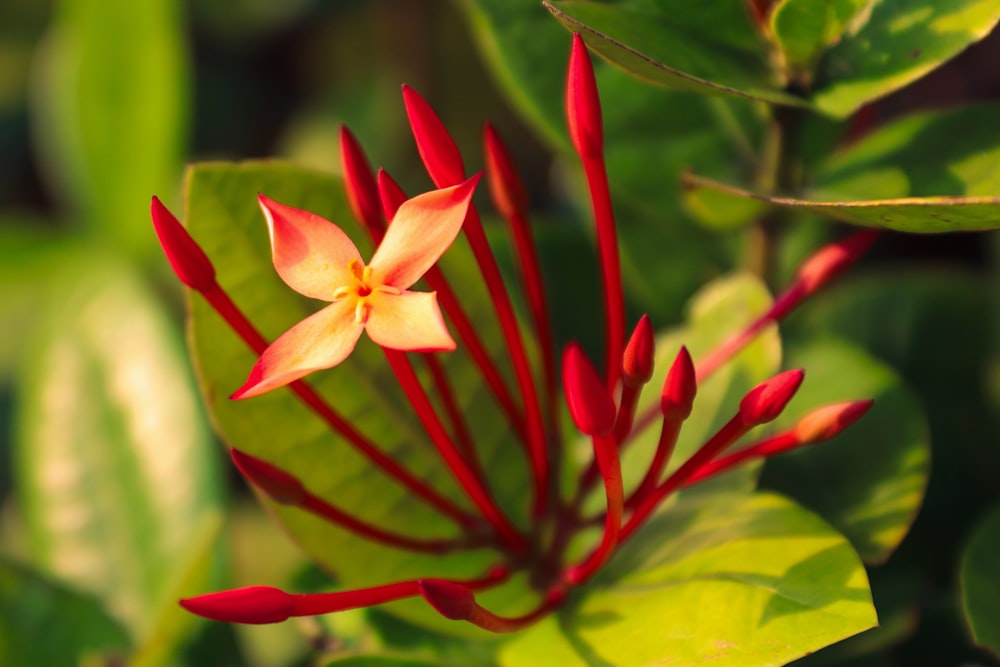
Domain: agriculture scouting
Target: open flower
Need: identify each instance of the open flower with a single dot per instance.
(317, 259)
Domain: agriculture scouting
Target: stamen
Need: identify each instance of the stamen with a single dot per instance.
(361, 309)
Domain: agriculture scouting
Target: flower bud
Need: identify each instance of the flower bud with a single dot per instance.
(637, 361)
(253, 604)
(591, 407)
(187, 259)
(766, 401)
(680, 387)
(436, 147)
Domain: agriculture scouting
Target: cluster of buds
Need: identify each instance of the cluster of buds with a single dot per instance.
(317, 259)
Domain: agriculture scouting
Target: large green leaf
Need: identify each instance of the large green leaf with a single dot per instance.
(901, 41)
(223, 215)
(731, 580)
(650, 135)
(115, 469)
(45, 624)
(29, 257)
(924, 215)
(111, 110)
(869, 482)
(980, 581)
(679, 46)
(935, 153)
(805, 28)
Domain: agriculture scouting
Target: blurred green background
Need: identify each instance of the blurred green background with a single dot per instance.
(115, 496)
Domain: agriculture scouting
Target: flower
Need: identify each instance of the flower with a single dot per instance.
(317, 259)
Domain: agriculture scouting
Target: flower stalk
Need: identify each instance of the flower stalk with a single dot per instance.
(316, 258)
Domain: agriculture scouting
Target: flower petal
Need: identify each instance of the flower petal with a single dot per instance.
(322, 340)
(419, 233)
(310, 253)
(409, 321)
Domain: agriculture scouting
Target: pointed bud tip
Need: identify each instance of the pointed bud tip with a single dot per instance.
(254, 605)
(436, 147)
(583, 104)
(362, 191)
(833, 258)
(588, 400)
(390, 193)
(680, 387)
(767, 400)
(186, 258)
(451, 600)
(826, 422)
(280, 486)
(637, 361)
(506, 187)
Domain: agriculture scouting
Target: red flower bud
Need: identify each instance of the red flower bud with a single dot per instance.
(253, 604)
(825, 422)
(833, 259)
(362, 192)
(187, 259)
(680, 387)
(637, 361)
(583, 105)
(451, 600)
(506, 186)
(390, 193)
(591, 407)
(766, 401)
(436, 147)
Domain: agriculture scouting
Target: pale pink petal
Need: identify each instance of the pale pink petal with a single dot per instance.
(322, 340)
(409, 321)
(419, 233)
(310, 253)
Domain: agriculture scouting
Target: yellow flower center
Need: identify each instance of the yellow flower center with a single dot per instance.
(361, 289)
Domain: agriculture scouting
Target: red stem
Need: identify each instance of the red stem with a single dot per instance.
(774, 445)
(325, 510)
(732, 431)
(531, 272)
(311, 604)
(461, 470)
(230, 312)
(607, 244)
(392, 197)
(606, 449)
(450, 402)
(664, 449)
(537, 449)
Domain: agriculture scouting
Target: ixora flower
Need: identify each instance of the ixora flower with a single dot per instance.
(317, 259)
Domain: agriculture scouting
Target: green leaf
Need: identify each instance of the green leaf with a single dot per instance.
(116, 473)
(924, 215)
(45, 624)
(980, 582)
(805, 28)
(901, 41)
(110, 110)
(730, 579)
(677, 48)
(224, 217)
(385, 661)
(869, 481)
(29, 256)
(936, 153)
